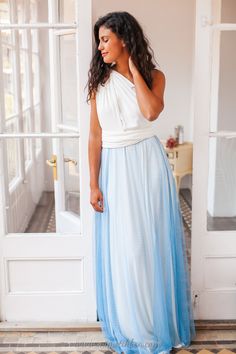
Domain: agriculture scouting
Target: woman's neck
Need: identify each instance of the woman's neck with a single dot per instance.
(123, 69)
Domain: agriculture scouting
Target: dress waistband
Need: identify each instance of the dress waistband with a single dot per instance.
(113, 139)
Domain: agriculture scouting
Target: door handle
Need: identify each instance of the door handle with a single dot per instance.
(53, 163)
(67, 159)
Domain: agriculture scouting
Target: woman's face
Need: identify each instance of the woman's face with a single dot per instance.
(110, 45)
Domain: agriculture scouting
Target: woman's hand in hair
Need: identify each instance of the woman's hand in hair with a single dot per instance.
(132, 66)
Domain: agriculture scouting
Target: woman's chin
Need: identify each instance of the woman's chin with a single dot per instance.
(107, 60)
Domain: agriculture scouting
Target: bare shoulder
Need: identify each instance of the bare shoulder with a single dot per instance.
(158, 75)
(93, 103)
(95, 127)
(158, 84)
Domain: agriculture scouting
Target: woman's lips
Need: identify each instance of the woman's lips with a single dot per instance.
(103, 54)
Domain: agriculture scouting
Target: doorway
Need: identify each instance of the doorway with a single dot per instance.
(45, 227)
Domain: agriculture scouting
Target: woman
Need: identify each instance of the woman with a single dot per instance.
(142, 279)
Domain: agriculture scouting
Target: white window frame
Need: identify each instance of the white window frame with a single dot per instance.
(30, 108)
(61, 27)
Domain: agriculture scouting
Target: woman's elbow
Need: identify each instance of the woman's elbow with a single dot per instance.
(95, 139)
(155, 114)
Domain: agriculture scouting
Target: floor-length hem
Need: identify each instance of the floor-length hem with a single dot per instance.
(142, 278)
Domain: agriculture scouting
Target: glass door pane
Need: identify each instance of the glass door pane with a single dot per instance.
(37, 201)
(67, 55)
(12, 149)
(71, 175)
(31, 204)
(4, 11)
(221, 208)
(221, 205)
(8, 77)
(69, 120)
(223, 117)
(67, 11)
(228, 11)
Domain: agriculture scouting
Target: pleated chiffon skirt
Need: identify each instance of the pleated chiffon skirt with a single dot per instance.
(142, 276)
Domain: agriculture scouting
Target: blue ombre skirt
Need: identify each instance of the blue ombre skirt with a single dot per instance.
(142, 276)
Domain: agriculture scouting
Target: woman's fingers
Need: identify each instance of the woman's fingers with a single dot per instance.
(97, 200)
(99, 205)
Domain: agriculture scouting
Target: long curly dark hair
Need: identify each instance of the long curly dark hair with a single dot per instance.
(126, 27)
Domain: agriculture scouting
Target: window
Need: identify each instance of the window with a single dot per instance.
(20, 85)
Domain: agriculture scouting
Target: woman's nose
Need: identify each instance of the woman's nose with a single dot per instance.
(100, 47)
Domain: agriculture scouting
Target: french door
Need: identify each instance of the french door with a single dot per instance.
(46, 253)
(214, 173)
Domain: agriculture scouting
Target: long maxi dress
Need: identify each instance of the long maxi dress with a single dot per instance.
(142, 276)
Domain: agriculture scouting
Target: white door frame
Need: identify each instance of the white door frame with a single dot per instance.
(208, 246)
(81, 243)
(65, 221)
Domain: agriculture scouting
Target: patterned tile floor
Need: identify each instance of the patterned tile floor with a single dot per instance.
(186, 212)
(206, 342)
(203, 351)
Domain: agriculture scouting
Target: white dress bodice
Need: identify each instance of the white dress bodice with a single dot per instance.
(119, 115)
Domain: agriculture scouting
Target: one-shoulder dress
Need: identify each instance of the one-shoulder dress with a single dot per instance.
(142, 281)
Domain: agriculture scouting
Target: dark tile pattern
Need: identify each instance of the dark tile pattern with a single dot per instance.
(175, 350)
(42, 215)
(185, 207)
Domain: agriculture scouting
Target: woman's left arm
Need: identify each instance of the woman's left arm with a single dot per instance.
(151, 101)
